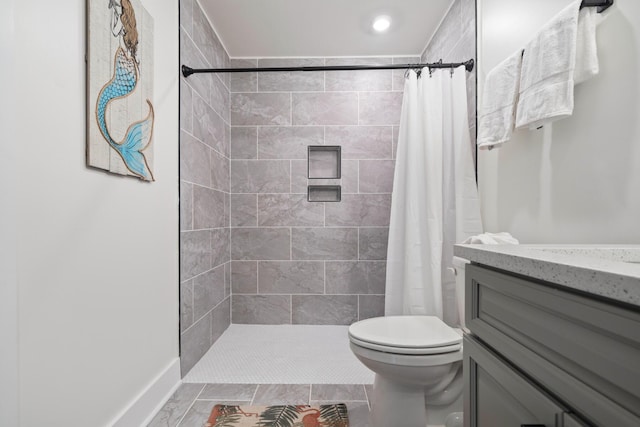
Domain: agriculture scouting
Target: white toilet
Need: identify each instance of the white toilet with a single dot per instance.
(412, 357)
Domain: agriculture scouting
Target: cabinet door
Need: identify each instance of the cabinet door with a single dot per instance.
(499, 396)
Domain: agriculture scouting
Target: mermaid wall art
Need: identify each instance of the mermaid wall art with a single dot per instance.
(120, 88)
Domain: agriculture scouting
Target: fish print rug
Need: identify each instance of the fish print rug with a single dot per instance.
(278, 416)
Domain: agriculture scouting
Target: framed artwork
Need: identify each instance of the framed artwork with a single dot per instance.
(120, 113)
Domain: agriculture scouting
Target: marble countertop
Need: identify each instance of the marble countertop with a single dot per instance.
(611, 271)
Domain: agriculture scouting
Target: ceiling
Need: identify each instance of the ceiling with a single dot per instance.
(303, 28)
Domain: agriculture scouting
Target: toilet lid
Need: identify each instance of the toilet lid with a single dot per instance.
(408, 332)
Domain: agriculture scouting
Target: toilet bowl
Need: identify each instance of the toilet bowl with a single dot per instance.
(413, 357)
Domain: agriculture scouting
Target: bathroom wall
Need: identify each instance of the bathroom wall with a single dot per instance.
(205, 272)
(578, 180)
(296, 262)
(455, 41)
(96, 262)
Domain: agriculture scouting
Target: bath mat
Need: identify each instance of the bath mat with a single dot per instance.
(278, 416)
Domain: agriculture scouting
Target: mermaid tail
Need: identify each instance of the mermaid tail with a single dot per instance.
(138, 136)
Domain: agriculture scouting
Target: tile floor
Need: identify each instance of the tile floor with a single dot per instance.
(191, 404)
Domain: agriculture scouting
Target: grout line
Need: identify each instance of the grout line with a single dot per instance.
(367, 396)
(254, 394)
(190, 406)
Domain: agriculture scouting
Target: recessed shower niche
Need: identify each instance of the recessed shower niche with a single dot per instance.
(323, 162)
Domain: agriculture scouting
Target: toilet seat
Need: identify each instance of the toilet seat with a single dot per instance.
(406, 335)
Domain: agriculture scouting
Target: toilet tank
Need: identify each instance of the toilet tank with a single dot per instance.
(459, 265)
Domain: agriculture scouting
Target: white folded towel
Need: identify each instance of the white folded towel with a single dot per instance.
(499, 97)
(559, 52)
(492, 239)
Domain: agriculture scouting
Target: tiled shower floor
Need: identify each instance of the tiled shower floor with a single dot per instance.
(271, 365)
(281, 354)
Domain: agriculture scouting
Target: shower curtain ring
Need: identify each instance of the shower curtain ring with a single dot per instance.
(430, 72)
(451, 71)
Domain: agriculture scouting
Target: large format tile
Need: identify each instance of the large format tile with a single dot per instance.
(198, 414)
(244, 277)
(208, 208)
(370, 306)
(299, 173)
(380, 108)
(359, 210)
(324, 309)
(186, 305)
(195, 161)
(186, 112)
(260, 176)
(228, 391)
(288, 210)
(291, 277)
(244, 210)
(208, 126)
(337, 392)
(261, 309)
(355, 277)
(361, 142)
(288, 142)
(208, 291)
(244, 82)
(194, 343)
(364, 80)
(244, 142)
(219, 171)
(373, 243)
(176, 406)
(191, 56)
(324, 243)
(321, 108)
(376, 176)
(186, 15)
(220, 242)
(283, 394)
(250, 109)
(186, 206)
(290, 81)
(220, 319)
(220, 98)
(260, 244)
(195, 253)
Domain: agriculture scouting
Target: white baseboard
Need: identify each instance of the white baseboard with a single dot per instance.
(147, 404)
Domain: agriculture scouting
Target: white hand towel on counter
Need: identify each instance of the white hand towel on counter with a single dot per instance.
(492, 239)
(550, 62)
(499, 97)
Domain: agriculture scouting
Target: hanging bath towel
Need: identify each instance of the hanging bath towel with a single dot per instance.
(561, 55)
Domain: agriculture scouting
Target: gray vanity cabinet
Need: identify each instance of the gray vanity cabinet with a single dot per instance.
(540, 355)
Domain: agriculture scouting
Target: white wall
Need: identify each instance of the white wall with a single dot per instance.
(97, 253)
(577, 181)
(8, 279)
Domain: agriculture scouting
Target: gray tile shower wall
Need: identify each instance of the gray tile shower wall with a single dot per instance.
(455, 41)
(300, 262)
(205, 110)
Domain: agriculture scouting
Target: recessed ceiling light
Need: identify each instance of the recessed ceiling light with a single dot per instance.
(381, 23)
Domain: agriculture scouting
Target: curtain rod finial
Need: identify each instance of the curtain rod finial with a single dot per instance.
(187, 71)
(469, 65)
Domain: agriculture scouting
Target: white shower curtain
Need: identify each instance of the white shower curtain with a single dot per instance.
(435, 199)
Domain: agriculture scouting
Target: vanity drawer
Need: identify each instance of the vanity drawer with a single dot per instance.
(587, 351)
(500, 396)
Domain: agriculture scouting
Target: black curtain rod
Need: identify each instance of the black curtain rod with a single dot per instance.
(187, 71)
(602, 5)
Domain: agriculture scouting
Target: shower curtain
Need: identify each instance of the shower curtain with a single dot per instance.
(435, 199)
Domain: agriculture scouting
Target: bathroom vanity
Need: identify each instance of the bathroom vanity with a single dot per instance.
(553, 336)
